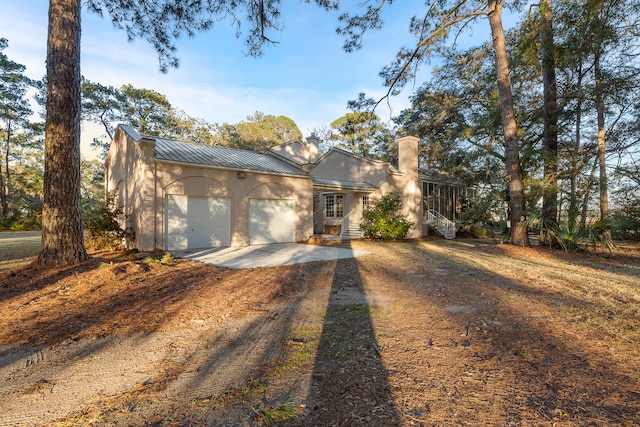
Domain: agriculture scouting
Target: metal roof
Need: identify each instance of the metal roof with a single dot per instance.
(342, 184)
(436, 176)
(221, 157)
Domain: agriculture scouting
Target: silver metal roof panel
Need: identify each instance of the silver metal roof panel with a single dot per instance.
(221, 157)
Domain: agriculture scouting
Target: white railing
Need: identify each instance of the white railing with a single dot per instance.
(441, 223)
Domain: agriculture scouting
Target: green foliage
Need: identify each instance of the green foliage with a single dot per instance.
(627, 197)
(362, 132)
(588, 236)
(567, 237)
(355, 131)
(148, 111)
(258, 132)
(594, 235)
(483, 209)
(629, 219)
(183, 127)
(25, 207)
(473, 231)
(278, 414)
(598, 234)
(16, 139)
(102, 221)
(167, 259)
(30, 220)
(384, 221)
(102, 105)
(14, 105)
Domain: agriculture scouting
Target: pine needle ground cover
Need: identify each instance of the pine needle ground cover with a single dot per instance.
(428, 332)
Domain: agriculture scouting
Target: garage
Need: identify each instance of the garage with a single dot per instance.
(197, 222)
(271, 221)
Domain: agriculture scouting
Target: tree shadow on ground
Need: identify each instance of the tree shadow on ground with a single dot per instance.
(222, 346)
(33, 277)
(349, 382)
(624, 262)
(515, 336)
(230, 375)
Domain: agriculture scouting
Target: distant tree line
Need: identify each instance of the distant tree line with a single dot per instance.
(575, 78)
(150, 113)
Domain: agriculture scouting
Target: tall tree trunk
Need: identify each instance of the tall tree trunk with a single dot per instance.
(62, 234)
(4, 184)
(573, 210)
(3, 196)
(604, 191)
(516, 187)
(550, 195)
(587, 193)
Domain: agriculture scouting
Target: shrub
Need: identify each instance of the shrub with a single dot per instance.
(629, 220)
(167, 259)
(473, 231)
(594, 235)
(383, 220)
(102, 221)
(482, 210)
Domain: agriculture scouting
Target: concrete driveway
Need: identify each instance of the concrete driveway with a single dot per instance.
(268, 255)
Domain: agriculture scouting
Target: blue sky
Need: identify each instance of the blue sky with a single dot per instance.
(306, 76)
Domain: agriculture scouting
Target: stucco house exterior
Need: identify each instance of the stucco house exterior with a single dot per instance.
(180, 195)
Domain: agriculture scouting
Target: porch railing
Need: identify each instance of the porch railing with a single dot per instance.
(444, 225)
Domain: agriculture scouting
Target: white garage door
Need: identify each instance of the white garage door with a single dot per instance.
(197, 222)
(271, 221)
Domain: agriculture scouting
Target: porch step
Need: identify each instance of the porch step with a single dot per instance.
(446, 234)
(353, 231)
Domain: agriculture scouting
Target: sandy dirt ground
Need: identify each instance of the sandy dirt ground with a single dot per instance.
(420, 333)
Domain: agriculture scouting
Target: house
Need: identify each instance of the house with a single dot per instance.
(181, 195)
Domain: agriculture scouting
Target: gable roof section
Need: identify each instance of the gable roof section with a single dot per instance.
(347, 153)
(293, 151)
(168, 150)
(335, 150)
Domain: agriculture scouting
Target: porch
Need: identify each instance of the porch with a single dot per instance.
(443, 204)
(338, 207)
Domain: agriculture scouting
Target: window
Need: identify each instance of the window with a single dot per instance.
(339, 206)
(334, 206)
(365, 203)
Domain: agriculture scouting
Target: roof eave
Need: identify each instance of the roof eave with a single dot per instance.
(325, 187)
(199, 165)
